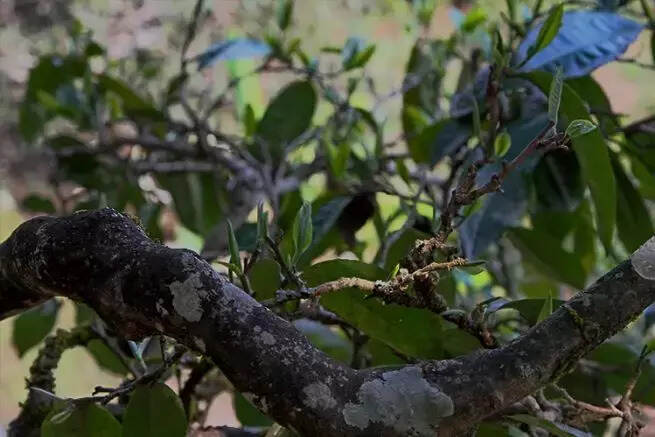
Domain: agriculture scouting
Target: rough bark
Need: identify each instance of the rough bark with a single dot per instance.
(142, 288)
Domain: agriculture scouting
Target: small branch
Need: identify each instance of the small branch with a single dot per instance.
(466, 194)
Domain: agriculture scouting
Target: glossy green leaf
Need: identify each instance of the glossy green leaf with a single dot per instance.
(33, 325)
(105, 358)
(426, 62)
(197, 199)
(133, 103)
(154, 411)
(287, 116)
(473, 19)
(546, 253)
(361, 58)
(84, 420)
(412, 331)
(548, 31)
(558, 182)
(247, 414)
(633, 221)
(284, 12)
(502, 144)
(555, 95)
(593, 155)
(264, 278)
(579, 127)
(302, 230)
(338, 158)
(37, 203)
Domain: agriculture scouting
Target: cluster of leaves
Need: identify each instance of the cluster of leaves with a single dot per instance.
(330, 181)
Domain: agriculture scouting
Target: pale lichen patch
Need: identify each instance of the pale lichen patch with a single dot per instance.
(267, 338)
(188, 296)
(643, 260)
(318, 395)
(402, 399)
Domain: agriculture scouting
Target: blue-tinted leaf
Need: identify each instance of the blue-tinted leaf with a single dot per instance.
(586, 40)
(548, 31)
(501, 210)
(237, 48)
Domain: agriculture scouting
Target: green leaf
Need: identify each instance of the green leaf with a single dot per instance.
(502, 144)
(262, 223)
(264, 278)
(552, 428)
(50, 74)
(196, 198)
(593, 156)
(473, 19)
(249, 120)
(414, 332)
(235, 258)
(247, 414)
(283, 13)
(547, 33)
(546, 309)
(154, 411)
(579, 127)
(36, 203)
(361, 58)
(426, 61)
(558, 182)
(105, 358)
(338, 158)
(633, 220)
(555, 95)
(288, 115)
(531, 309)
(545, 253)
(134, 104)
(302, 230)
(33, 325)
(84, 420)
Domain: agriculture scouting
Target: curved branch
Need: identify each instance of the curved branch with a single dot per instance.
(142, 288)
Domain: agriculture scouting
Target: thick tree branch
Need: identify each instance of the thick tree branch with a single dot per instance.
(141, 288)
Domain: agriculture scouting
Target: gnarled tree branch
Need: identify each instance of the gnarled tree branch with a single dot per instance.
(141, 288)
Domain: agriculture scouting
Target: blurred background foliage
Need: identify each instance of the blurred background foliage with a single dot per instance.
(188, 117)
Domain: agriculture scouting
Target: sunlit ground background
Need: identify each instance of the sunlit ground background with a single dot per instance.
(30, 27)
